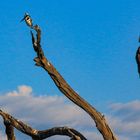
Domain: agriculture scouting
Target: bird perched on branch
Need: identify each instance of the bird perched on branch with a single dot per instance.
(138, 59)
(28, 20)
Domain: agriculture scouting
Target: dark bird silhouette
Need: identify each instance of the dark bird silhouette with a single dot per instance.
(28, 20)
(138, 59)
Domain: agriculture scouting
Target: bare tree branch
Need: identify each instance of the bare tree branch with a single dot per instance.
(65, 88)
(18, 124)
(10, 122)
(9, 129)
(61, 131)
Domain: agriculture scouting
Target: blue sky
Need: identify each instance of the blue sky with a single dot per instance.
(92, 44)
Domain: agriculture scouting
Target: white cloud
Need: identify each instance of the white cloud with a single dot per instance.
(125, 119)
(22, 91)
(133, 105)
(44, 112)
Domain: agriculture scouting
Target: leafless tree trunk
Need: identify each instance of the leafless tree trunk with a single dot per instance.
(62, 85)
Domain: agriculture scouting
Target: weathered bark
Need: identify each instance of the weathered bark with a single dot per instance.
(75, 135)
(9, 130)
(65, 88)
(10, 122)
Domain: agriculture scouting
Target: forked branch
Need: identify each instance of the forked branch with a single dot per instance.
(10, 122)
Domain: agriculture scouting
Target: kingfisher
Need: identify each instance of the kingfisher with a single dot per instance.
(28, 20)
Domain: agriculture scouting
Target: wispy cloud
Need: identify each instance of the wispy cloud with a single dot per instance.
(125, 118)
(44, 112)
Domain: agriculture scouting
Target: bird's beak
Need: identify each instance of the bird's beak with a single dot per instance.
(22, 19)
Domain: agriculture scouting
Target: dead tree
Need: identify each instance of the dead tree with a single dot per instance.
(42, 61)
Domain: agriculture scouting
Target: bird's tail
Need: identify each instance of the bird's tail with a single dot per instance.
(22, 19)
